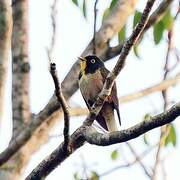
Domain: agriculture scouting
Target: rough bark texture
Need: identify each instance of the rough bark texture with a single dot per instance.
(20, 65)
(20, 84)
(20, 80)
(69, 85)
(5, 41)
(90, 135)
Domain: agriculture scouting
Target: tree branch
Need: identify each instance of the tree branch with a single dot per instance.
(70, 84)
(5, 41)
(20, 67)
(94, 34)
(76, 111)
(156, 88)
(119, 65)
(139, 159)
(136, 160)
(116, 70)
(14, 146)
(156, 16)
(90, 135)
(62, 102)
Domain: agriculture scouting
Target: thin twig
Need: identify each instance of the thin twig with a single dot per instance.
(139, 159)
(177, 13)
(53, 38)
(94, 34)
(156, 16)
(166, 129)
(62, 102)
(136, 160)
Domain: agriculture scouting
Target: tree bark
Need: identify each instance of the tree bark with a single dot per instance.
(5, 41)
(20, 85)
(20, 66)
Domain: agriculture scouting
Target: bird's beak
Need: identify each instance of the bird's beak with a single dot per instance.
(81, 58)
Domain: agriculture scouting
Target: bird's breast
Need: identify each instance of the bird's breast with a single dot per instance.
(91, 85)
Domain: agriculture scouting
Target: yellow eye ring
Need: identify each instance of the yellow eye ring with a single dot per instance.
(93, 61)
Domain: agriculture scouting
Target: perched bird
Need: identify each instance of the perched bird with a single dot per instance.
(91, 80)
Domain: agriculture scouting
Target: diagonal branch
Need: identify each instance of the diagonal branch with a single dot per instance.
(120, 64)
(76, 111)
(69, 85)
(136, 160)
(14, 146)
(111, 77)
(139, 160)
(90, 135)
(112, 52)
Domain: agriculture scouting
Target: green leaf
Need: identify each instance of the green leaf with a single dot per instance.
(85, 9)
(94, 175)
(136, 50)
(105, 14)
(114, 155)
(122, 34)
(137, 17)
(158, 30)
(168, 20)
(171, 138)
(75, 2)
(76, 176)
(147, 116)
(113, 2)
(145, 139)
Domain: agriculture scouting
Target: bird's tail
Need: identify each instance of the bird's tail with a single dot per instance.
(110, 120)
(106, 118)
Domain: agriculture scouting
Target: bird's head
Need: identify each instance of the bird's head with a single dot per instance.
(90, 64)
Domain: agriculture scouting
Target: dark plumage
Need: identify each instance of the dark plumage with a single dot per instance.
(91, 80)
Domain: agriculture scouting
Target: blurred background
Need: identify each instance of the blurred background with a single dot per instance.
(151, 74)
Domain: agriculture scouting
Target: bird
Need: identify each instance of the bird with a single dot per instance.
(92, 77)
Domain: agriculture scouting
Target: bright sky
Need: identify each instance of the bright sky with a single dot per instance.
(73, 35)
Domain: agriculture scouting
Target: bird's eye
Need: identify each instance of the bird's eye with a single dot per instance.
(93, 61)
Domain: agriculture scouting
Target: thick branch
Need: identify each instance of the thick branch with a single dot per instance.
(20, 66)
(88, 133)
(14, 146)
(5, 41)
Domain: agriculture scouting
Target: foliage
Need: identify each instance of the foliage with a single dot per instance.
(115, 155)
(82, 6)
(171, 138)
(165, 24)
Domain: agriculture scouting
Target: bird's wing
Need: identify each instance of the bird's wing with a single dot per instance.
(115, 101)
(113, 95)
(80, 75)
